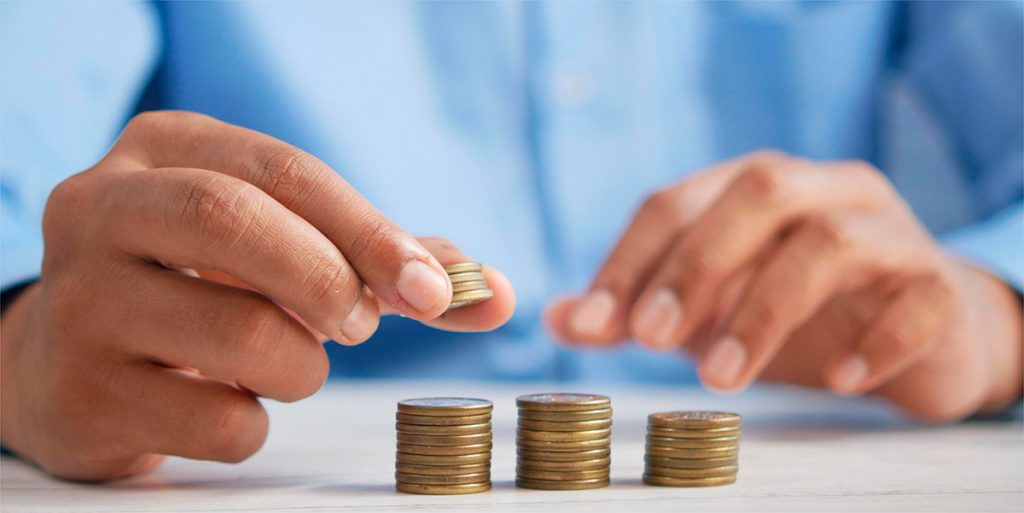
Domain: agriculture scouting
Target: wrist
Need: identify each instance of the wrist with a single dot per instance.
(999, 312)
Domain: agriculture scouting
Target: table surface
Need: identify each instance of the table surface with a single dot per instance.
(800, 451)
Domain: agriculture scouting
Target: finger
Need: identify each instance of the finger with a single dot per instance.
(224, 332)
(750, 215)
(179, 413)
(599, 317)
(825, 255)
(204, 220)
(485, 316)
(901, 335)
(390, 261)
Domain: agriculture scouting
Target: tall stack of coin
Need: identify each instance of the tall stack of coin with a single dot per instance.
(444, 446)
(468, 284)
(563, 441)
(692, 448)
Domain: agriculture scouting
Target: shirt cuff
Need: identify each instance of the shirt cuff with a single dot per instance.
(996, 244)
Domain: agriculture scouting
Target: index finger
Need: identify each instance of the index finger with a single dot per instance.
(391, 262)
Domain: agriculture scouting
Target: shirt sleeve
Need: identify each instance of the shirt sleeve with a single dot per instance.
(965, 60)
(72, 74)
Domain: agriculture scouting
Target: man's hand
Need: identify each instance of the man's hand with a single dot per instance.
(191, 270)
(804, 272)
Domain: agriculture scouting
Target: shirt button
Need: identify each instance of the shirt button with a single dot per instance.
(572, 88)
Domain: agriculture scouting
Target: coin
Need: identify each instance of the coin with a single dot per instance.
(693, 443)
(443, 489)
(409, 438)
(470, 297)
(671, 452)
(444, 460)
(466, 276)
(690, 473)
(692, 433)
(443, 450)
(541, 455)
(583, 425)
(541, 484)
(479, 477)
(434, 420)
(566, 416)
(562, 402)
(683, 482)
(597, 463)
(659, 461)
(463, 267)
(466, 286)
(601, 443)
(563, 436)
(441, 470)
(694, 419)
(445, 406)
(562, 475)
(464, 429)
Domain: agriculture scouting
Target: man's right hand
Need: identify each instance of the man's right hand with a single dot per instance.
(190, 271)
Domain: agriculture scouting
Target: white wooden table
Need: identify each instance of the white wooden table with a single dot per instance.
(800, 451)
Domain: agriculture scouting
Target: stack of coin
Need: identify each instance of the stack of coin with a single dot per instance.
(468, 284)
(692, 448)
(563, 441)
(444, 446)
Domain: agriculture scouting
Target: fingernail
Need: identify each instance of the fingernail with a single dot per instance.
(421, 286)
(849, 373)
(593, 314)
(657, 322)
(723, 363)
(358, 326)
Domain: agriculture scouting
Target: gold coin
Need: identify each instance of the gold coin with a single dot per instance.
(566, 416)
(433, 420)
(659, 461)
(583, 425)
(692, 433)
(690, 473)
(446, 406)
(694, 419)
(479, 438)
(562, 475)
(441, 470)
(466, 276)
(456, 489)
(464, 429)
(467, 286)
(471, 297)
(541, 455)
(463, 267)
(671, 452)
(563, 436)
(542, 484)
(585, 445)
(564, 465)
(683, 482)
(479, 477)
(444, 460)
(563, 402)
(444, 450)
(693, 443)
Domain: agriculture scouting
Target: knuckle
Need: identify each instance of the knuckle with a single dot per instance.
(67, 198)
(156, 121)
(373, 237)
(759, 314)
(763, 182)
(695, 266)
(255, 332)
(332, 285)
(664, 204)
(897, 339)
(766, 157)
(290, 173)
(825, 234)
(223, 211)
(239, 430)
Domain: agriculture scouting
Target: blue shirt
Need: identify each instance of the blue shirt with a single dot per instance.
(528, 132)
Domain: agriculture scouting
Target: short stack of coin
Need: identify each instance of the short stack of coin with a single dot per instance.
(444, 446)
(563, 441)
(692, 448)
(468, 284)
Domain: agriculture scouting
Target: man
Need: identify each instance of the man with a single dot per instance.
(198, 264)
